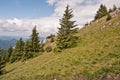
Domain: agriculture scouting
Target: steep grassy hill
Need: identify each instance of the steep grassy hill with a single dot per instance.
(97, 56)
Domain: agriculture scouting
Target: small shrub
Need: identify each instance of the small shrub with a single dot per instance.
(48, 49)
(52, 40)
(56, 49)
(108, 17)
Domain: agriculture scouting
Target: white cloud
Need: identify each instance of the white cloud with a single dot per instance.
(83, 10)
(23, 27)
(15, 21)
(51, 2)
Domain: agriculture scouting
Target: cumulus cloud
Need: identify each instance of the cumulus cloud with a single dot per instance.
(12, 27)
(83, 10)
(23, 27)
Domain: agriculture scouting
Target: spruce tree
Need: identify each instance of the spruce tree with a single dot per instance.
(65, 37)
(32, 45)
(18, 51)
(19, 46)
(28, 46)
(9, 53)
(27, 51)
(34, 39)
(101, 12)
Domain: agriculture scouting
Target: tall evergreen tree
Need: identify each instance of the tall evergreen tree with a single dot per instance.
(32, 45)
(65, 37)
(28, 46)
(19, 46)
(34, 39)
(27, 51)
(101, 12)
(18, 51)
(9, 53)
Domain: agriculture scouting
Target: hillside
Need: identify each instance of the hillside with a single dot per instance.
(96, 56)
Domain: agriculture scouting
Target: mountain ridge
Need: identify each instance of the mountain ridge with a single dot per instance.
(5, 44)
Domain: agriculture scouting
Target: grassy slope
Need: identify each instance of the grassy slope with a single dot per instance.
(97, 53)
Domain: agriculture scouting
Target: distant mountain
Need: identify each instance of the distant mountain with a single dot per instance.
(7, 41)
(8, 37)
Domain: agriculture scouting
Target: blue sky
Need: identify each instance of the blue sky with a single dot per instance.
(18, 17)
(24, 9)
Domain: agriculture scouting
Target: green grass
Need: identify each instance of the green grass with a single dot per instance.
(96, 54)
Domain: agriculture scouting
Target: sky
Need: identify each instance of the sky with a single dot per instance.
(18, 17)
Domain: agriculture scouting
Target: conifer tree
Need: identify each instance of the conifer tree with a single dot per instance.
(28, 46)
(101, 12)
(65, 37)
(18, 51)
(9, 53)
(34, 39)
(32, 45)
(27, 50)
(19, 46)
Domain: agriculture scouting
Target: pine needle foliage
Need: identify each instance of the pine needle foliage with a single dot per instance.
(65, 38)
